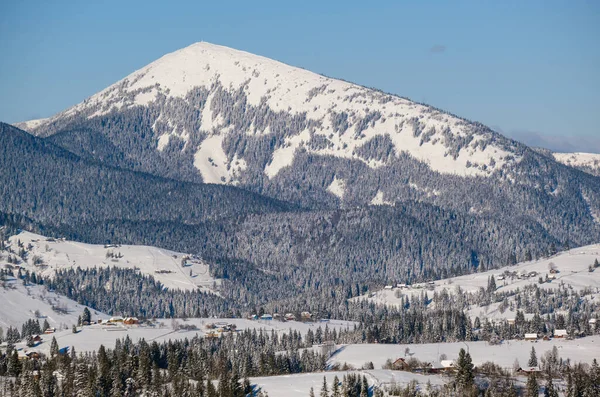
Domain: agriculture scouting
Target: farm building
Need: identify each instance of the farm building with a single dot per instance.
(531, 336)
(560, 333)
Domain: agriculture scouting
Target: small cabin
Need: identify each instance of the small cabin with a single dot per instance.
(131, 321)
(266, 317)
(400, 364)
(289, 317)
(115, 319)
(388, 287)
(592, 321)
(560, 333)
(305, 315)
(511, 321)
(531, 336)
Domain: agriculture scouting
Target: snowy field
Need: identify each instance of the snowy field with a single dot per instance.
(164, 265)
(572, 267)
(578, 350)
(91, 337)
(19, 304)
(298, 385)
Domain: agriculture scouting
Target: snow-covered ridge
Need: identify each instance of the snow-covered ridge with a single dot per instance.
(584, 160)
(346, 116)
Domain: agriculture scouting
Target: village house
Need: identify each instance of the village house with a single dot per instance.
(50, 330)
(531, 337)
(115, 319)
(266, 317)
(131, 321)
(305, 316)
(560, 333)
(289, 317)
(400, 365)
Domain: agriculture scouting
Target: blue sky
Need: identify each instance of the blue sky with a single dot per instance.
(530, 69)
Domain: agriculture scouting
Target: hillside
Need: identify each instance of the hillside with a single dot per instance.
(569, 270)
(174, 270)
(214, 114)
(588, 162)
(54, 187)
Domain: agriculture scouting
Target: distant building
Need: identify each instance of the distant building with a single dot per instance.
(388, 287)
(511, 321)
(266, 317)
(289, 317)
(560, 333)
(115, 319)
(131, 321)
(531, 336)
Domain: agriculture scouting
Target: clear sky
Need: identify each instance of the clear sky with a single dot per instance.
(529, 69)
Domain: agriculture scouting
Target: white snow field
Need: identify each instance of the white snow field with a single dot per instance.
(164, 265)
(591, 160)
(19, 303)
(294, 90)
(577, 350)
(572, 267)
(299, 384)
(89, 338)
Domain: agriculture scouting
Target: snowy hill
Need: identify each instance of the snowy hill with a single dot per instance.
(21, 303)
(569, 269)
(332, 117)
(588, 162)
(164, 265)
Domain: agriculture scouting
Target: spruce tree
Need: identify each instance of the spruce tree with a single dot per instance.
(533, 362)
(324, 390)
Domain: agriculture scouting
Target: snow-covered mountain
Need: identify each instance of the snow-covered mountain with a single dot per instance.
(208, 113)
(588, 162)
(230, 91)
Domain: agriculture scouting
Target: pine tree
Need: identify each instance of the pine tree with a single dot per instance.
(533, 362)
(364, 390)
(311, 393)
(335, 387)
(464, 374)
(549, 390)
(324, 390)
(532, 386)
(54, 347)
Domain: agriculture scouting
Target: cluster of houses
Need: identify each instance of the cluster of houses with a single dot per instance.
(215, 330)
(304, 316)
(115, 320)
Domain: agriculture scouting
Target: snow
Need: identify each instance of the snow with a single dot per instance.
(211, 160)
(30, 124)
(91, 337)
(578, 350)
(284, 156)
(572, 266)
(20, 303)
(299, 384)
(378, 199)
(61, 254)
(295, 90)
(337, 187)
(579, 159)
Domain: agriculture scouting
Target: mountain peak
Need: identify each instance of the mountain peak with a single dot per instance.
(304, 111)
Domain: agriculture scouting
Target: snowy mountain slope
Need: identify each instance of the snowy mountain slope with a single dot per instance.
(335, 117)
(588, 162)
(164, 265)
(572, 272)
(21, 303)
